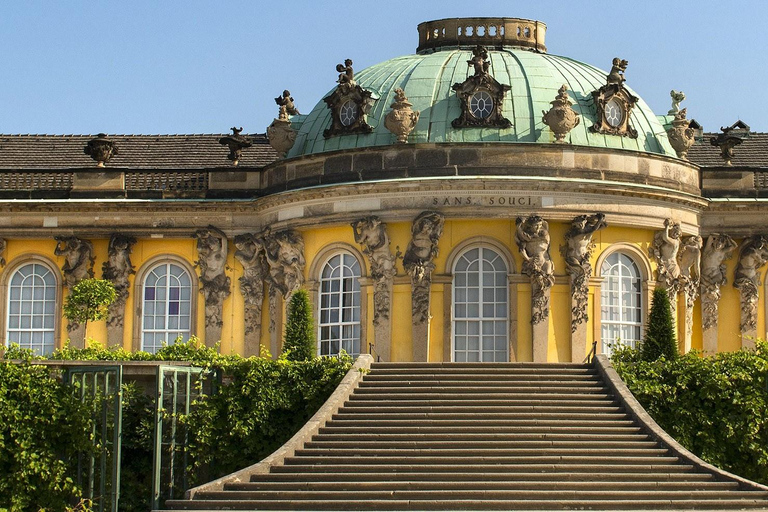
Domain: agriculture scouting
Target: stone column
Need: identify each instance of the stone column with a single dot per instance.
(78, 265)
(417, 262)
(577, 252)
(752, 256)
(532, 238)
(717, 249)
(371, 233)
(117, 269)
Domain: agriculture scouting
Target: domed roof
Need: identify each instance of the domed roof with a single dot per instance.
(534, 77)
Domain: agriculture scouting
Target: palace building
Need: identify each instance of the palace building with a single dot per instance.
(479, 200)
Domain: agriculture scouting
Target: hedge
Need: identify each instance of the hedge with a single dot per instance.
(715, 406)
(260, 405)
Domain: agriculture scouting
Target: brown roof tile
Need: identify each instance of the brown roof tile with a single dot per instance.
(134, 152)
(753, 152)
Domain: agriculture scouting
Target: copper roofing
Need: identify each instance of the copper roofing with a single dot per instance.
(201, 151)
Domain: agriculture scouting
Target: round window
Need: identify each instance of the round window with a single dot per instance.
(348, 112)
(481, 105)
(614, 114)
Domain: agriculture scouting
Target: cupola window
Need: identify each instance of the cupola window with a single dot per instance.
(614, 114)
(481, 105)
(348, 113)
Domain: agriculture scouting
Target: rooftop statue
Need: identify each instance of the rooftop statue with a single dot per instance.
(677, 97)
(287, 107)
(616, 76)
(480, 61)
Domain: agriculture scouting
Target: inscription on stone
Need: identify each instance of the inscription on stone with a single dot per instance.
(501, 200)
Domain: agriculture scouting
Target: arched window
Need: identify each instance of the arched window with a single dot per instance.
(166, 306)
(340, 306)
(621, 302)
(32, 308)
(480, 310)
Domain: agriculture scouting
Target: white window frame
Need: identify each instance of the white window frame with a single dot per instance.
(624, 312)
(324, 320)
(171, 334)
(481, 318)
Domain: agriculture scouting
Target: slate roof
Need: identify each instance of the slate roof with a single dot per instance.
(134, 152)
(753, 152)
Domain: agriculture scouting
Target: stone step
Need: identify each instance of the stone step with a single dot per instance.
(395, 378)
(467, 380)
(477, 445)
(375, 427)
(456, 461)
(484, 419)
(473, 477)
(495, 394)
(479, 367)
(358, 439)
(304, 467)
(471, 387)
(552, 400)
(458, 454)
(470, 409)
(544, 504)
(464, 494)
(449, 484)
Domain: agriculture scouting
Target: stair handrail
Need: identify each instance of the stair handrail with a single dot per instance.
(592, 353)
(371, 351)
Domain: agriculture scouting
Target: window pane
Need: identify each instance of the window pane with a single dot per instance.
(31, 308)
(166, 306)
(339, 312)
(621, 310)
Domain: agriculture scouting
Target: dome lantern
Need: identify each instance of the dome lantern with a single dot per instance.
(488, 32)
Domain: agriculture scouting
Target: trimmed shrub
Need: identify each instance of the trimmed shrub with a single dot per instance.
(299, 342)
(659, 340)
(89, 300)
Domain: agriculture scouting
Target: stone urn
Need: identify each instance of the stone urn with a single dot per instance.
(401, 120)
(681, 136)
(100, 149)
(281, 135)
(561, 118)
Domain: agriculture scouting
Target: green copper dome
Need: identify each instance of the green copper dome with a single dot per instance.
(534, 78)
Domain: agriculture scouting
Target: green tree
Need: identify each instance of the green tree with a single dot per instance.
(89, 300)
(659, 339)
(299, 342)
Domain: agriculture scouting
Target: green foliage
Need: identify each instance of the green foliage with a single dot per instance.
(717, 407)
(89, 301)
(42, 427)
(259, 408)
(136, 469)
(299, 342)
(659, 340)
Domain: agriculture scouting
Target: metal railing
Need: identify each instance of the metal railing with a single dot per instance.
(372, 351)
(592, 353)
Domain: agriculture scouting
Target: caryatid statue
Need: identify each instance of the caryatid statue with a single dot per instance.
(117, 270)
(215, 284)
(532, 238)
(717, 249)
(250, 254)
(577, 251)
(753, 254)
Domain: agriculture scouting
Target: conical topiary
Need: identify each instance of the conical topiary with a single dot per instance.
(659, 337)
(299, 342)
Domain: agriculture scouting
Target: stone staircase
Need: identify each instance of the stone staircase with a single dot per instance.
(455, 436)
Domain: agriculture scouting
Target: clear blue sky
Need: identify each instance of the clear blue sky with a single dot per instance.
(139, 66)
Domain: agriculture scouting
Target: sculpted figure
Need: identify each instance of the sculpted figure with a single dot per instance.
(117, 269)
(532, 238)
(717, 249)
(577, 251)
(78, 258)
(690, 259)
(371, 233)
(212, 250)
(417, 261)
(347, 74)
(666, 244)
(752, 256)
(250, 253)
(3, 245)
(287, 107)
(677, 97)
(284, 254)
(479, 61)
(616, 76)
